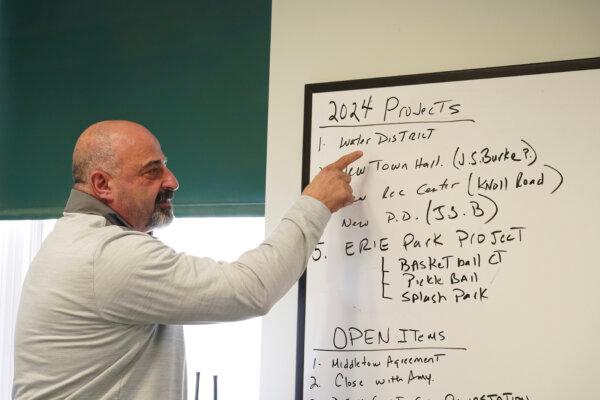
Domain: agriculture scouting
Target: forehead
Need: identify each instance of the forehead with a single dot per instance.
(139, 149)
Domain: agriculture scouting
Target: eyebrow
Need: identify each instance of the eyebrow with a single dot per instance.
(153, 163)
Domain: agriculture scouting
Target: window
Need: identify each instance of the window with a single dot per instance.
(19, 242)
(229, 350)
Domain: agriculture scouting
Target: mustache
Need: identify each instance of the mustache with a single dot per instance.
(165, 194)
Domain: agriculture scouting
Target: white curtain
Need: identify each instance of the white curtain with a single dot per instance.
(19, 242)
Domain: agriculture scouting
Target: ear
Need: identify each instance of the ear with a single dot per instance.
(100, 183)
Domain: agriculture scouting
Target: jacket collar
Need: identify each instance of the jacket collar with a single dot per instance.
(83, 203)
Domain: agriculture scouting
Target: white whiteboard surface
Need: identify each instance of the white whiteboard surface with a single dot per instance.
(467, 269)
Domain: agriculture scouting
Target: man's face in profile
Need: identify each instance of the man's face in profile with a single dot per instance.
(144, 185)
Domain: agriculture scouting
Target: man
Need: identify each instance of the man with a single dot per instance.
(103, 301)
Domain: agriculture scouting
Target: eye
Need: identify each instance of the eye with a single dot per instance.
(153, 172)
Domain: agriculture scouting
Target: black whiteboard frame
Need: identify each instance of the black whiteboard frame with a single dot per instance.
(402, 80)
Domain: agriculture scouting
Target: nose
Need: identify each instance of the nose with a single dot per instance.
(169, 181)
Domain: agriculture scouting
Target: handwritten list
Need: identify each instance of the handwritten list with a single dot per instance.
(463, 268)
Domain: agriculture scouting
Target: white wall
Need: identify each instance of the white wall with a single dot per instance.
(329, 40)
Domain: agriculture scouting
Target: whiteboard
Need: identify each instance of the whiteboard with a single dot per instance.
(467, 266)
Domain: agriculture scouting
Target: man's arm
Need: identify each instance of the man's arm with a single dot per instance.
(138, 279)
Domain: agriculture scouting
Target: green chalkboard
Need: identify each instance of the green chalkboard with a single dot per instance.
(194, 72)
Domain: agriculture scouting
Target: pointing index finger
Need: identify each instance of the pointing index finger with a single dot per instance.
(346, 160)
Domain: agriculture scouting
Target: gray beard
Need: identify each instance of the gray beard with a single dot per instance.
(160, 217)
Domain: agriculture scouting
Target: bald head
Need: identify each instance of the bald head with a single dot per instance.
(101, 147)
(122, 164)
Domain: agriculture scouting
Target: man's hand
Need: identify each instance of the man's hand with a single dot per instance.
(332, 185)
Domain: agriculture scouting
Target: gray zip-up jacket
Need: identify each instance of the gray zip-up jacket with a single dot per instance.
(102, 305)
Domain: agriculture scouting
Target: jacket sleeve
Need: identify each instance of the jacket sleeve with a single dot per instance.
(140, 280)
